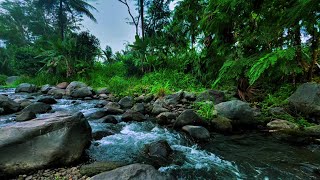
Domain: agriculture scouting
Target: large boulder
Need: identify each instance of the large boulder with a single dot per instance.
(126, 102)
(81, 92)
(8, 105)
(197, 132)
(37, 108)
(238, 111)
(211, 95)
(132, 172)
(221, 124)
(306, 99)
(58, 139)
(73, 86)
(188, 117)
(166, 118)
(26, 87)
(158, 153)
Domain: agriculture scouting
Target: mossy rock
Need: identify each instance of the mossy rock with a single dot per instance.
(99, 167)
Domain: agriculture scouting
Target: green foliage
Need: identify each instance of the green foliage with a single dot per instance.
(205, 109)
(26, 60)
(3, 79)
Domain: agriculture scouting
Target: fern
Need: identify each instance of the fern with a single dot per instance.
(280, 58)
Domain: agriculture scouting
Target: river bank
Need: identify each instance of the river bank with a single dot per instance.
(124, 128)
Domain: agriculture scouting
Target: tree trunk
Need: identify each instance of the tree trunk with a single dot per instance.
(61, 23)
(142, 18)
(315, 51)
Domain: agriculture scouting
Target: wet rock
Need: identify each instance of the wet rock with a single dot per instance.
(133, 116)
(221, 124)
(188, 117)
(26, 87)
(109, 119)
(114, 111)
(101, 134)
(24, 102)
(97, 114)
(37, 108)
(238, 111)
(99, 167)
(103, 91)
(62, 85)
(197, 132)
(45, 88)
(139, 107)
(211, 95)
(82, 92)
(126, 102)
(26, 116)
(306, 99)
(8, 105)
(281, 125)
(166, 118)
(159, 153)
(134, 171)
(58, 139)
(47, 100)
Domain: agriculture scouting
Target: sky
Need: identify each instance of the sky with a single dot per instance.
(111, 28)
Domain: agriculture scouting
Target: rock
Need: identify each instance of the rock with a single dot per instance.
(126, 102)
(24, 103)
(109, 119)
(173, 99)
(12, 79)
(281, 125)
(306, 99)
(190, 96)
(73, 86)
(159, 153)
(313, 131)
(58, 139)
(97, 114)
(1, 111)
(47, 100)
(103, 91)
(8, 105)
(275, 111)
(114, 111)
(236, 110)
(38, 108)
(26, 87)
(26, 116)
(101, 134)
(113, 105)
(211, 95)
(221, 124)
(165, 118)
(158, 109)
(99, 167)
(62, 85)
(133, 171)
(139, 107)
(133, 116)
(45, 88)
(57, 92)
(197, 132)
(81, 92)
(188, 117)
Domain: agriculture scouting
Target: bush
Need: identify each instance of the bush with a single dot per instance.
(205, 109)
(3, 79)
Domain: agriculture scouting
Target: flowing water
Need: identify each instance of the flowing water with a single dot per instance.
(247, 156)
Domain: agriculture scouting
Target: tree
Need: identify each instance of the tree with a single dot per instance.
(134, 19)
(66, 10)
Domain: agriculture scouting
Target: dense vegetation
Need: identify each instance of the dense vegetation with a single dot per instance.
(259, 47)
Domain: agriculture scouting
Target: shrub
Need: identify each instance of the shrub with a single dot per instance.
(3, 79)
(205, 109)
